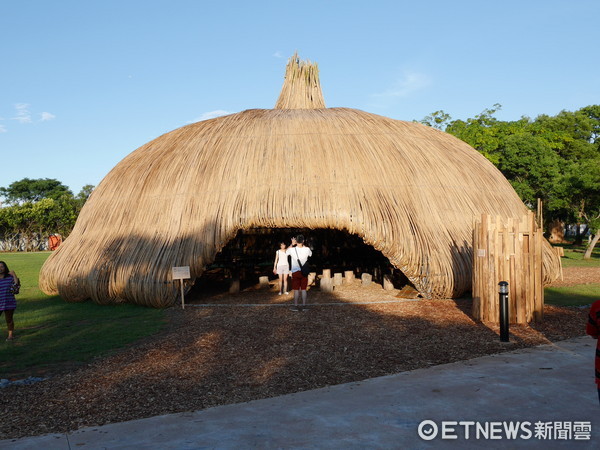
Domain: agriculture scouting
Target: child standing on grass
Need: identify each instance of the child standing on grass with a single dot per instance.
(593, 329)
(8, 303)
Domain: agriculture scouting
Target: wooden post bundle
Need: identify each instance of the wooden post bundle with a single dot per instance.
(349, 276)
(326, 284)
(388, 285)
(366, 279)
(263, 282)
(509, 251)
(337, 279)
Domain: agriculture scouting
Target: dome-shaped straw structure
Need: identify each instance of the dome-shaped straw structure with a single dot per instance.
(410, 191)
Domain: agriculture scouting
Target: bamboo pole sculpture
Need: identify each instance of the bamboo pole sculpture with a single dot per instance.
(410, 191)
(508, 250)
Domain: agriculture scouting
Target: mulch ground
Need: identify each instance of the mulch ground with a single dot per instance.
(231, 352)
(578, 275)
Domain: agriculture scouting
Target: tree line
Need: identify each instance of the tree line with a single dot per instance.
(33, 209)
(553, 158)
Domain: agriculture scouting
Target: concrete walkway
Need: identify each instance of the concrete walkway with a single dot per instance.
(550, 383)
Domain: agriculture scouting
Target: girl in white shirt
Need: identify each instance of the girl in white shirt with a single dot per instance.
(281, 268)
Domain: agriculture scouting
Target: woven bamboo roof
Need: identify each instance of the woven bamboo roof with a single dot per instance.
(408, 190)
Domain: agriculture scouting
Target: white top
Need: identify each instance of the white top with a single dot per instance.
(303, 254)
(282, 259)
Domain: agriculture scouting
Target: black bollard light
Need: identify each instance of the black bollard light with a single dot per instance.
(503, 297)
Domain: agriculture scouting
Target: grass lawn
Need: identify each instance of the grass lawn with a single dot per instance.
(574, 256)
(581, 294)
(578, 295)
(52, 334)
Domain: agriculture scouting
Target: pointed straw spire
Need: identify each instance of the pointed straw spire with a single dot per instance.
(301, 87)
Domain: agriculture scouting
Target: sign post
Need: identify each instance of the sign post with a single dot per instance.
(181, 273)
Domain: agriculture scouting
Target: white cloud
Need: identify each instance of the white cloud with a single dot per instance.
(210, 115)
(45, 116)
(278, 54)
(23, 114)
(406, 85)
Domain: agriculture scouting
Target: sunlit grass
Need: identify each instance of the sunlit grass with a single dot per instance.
(53, 334)
(574, 256)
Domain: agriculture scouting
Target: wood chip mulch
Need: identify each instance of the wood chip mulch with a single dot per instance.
(578, 275)
(229, 353)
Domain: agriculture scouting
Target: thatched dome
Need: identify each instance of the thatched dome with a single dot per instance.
(410, 191)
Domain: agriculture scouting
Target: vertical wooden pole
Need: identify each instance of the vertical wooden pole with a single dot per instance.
(337, 279)
(326, 284)
(509, 263)
(539, 287)
(496, 272)
(387, 283)
(182, 296)
(518, 281)
(349, 276)
(475, 278)
(488, 269)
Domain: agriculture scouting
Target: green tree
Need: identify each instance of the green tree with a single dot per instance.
(551, 157)
(530, 165)
(438, 120)
(20, 227)
(483, 132)
(25, 224)
(33, 190)
(573, 135)
(84, 194)
(582, 181)
(592, 112)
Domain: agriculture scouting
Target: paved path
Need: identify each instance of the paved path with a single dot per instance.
(550, 383)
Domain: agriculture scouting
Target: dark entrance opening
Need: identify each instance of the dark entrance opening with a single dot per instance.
(251, 254)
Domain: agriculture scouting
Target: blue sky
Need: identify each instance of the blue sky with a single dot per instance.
(84, 83)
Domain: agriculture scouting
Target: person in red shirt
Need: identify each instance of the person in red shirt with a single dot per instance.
(593, 329)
